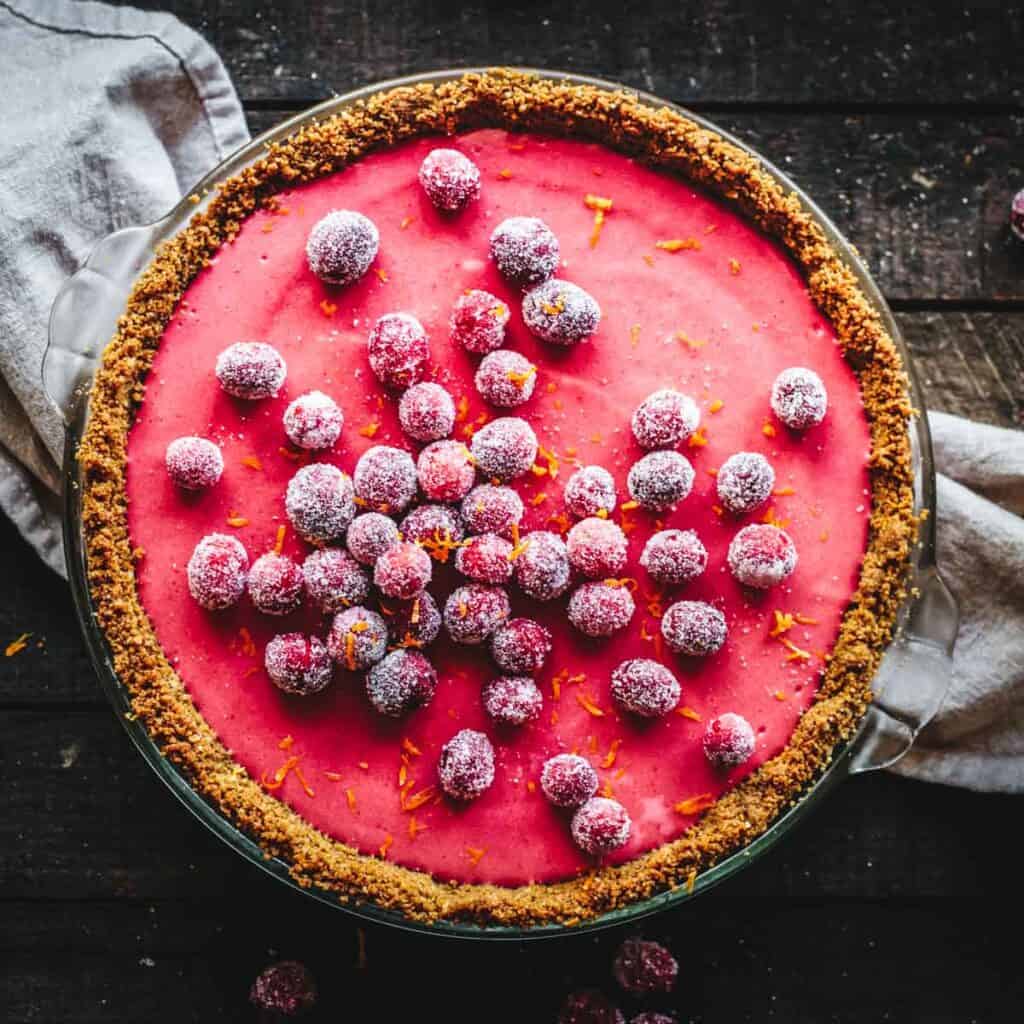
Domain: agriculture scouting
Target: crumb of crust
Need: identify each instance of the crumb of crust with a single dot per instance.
(664, 140)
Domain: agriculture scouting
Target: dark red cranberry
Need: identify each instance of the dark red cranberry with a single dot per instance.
(428, 524)
(416, 622)
(694, 628)
(728, 741)
(505, 448)
(385, 479)
(521, 646)
(358, 638)
(450, 179)
(524, 250)
(600, 826)
(601, 609)
(478, 321)
(485, 559)
(660, 480)
(275, 584)
(665, 418)
(505, 378)
(590, 491)
(298, 664)
(217, 571)
(473, 612)
(643, 967)
(313, 421)
(445, 471)
(761, 556)
(653, 1017)
(251, 370)
(398, 348)
(403, 571)
(542, 566)
(320, 502)
(284, 989)
(799, 398)
(193, 463)
(512, 700)
(334, 580)
(492, 509)
(426, 412)
(466, 766)
(560, 313)
(568, 780)
(597, 548)
(341, 246)
(645, 688)
(401, 682)
(1017, 215)
(589, 1006)
(369, 536)
(745, 480)
(674, 556)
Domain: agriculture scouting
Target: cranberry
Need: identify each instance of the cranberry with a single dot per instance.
(561, 313)
(416, 622)
(600, 609)
(590, 490)
(398, 348)
(298, 664)
(745, 480)
(589, 1006)
(568, 780)
(341, 246)
(320, 502)
(426, 412)
(217, 571)
(1017, 215)
(600, 826)
(524, 250)
(659, 480)
(385, 478)
(505, 378)
(644, 687)
(492, 509)
(694, 628)
(369, 536)
(313, 421)
(445, 471)
(597, 548)
(728, 741)
(521, 646)
(505, 448)
(512, 700)
(761, 556)
(193, 463)
(285, 989)
(251, 370)
(665, 418)
(450, 179)
(485, 559)
(473, 612)
(275, 584)
(334, 580)
(431, 523)
(642, 967)
(403, 570)
(653, 1017)
(542, 567)
(401, 682)
(358, 638)
(466, 765)
(799, 398)
(478, 321)
(674, 556)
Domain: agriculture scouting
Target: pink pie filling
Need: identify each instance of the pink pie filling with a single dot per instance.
(717, 321)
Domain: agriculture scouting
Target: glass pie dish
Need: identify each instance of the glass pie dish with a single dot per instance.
(909, 686)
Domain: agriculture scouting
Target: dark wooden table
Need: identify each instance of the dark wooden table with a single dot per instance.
(895, 900)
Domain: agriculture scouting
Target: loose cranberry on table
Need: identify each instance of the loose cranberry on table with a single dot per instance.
(478, 321)
(642, 967)
(320, 502)
(436, 523)
(251, 370)
(341, 247)
(385, 479)
(358, 638)
(298, 664)
(600, 826)
(694, 628)
(490, 508)
(401, 682)
(485, 559)
(672, 557)
(505, 448)
(525, 250)
(645, 688)
(660, 480)
(664, 418)
(505, 378)
(445, 471)
(450, 179)
(466, 766)
(426, 412)
(403, 571)
(601, 609)
(521, 646)
(745, 480)
(561, 313)
(369, 536)
(799, 398)
(193, 463)
(313, 421)
(728, 741)
(761, 556)
(597, 548)
(416, 622)
(568, 780)
(1017, 215)
(512, 700)
(590, 491)
(275, 584)
(542, 568)
(284, 989)
(217, 571)
(473, 612)
(589, 1006)
(398, 349)
(334, 580)
(653, 1017)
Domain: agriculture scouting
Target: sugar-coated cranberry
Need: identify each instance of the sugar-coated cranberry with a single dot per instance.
(744, 481)
(398, 349)
(334, 580)
(601, 609)
(217, 571)
(653, 1017)
(492, 509)
(474, 611)
(728, 741)
(505, 448)
(369, 536)
(674, 556)
(561, 313)
(466, 765)
(485, 559)
(445, 471)
(597, 548)
(478, 321)
(320, 502)
(659, 480)
(568, 780)
(642, 967)
(251, 370)
(512, 700)
(600, 826)
(505, 378)
(761, 556)
(432, 523)
(403, 571)
(521, 646)
(1017, 215)
(193, 463)
(297, 663)
(401, 682)
(589, 1006)
(284, 989)
(313, 421)
(275, 584)
(590, 491)
(664, 418)
(416, 622)
(524, 250)
(695, 628)
(645, 688)
(385, 478)
(799, 398)
(341, 246)
(450, 179)
(426, 412)
(542, 567)
(358, 638)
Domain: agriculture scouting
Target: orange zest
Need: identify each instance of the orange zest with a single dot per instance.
(518, 549)
(328, 308)
(251, 462)
(586, 702)
(439, 546)
(236, 520)
(768, 430)
(521, 378)
(386, 845)
(734, 266)
(461, 409)
(625, 581)
(716, 405)
(350, 797)
(677, 244)
(693, 344)
(600, 205)
(382, 274)
(248, 644)
(783, 492)
(538, 499)
(405, 222)
(415, 827)
(773, 520)
(17, 646)
(287, 743)
(411, 803)
(282, 531)
(370, 430)
(694, 804)
(475, 854)
(698, 439)
(613, 752)
(783, 623)
(689, 713)
(795, 653)
(634, 335)
(561, 521)
(504, 174)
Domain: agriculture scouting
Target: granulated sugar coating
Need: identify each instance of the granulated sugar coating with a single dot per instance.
(568, 780)
(385, 479)
(664, 418)
(450, 179)
(251, 370)
(334, 580)
(660, 480)
(283, 990)
(524, 250)
(600, 609)
(431, 523)
(275, 584)
(341, 247)
(320, 502)
(542, 569)
(673, 557)
(401, 682)
(505, 378)
(478, 321)
(745, 480)
(426, 412)
(600, 826)
(597, 548)
(645, 688)
(358, 638)
(298, 664)
(512, 700)
(642, 967)
(398, 349)
(799, 398)
(492, 509)
(589, 1006)
(761, 556)
(474, 611)
(369, 536)
(485, 559)
(728, 741)
(466, 766)
(416, 622)
(217, 571)
(505, 448)
(313, 421)
(695, 628)
(403, 571)
(445, 471)
(590, 490)
(194, 463)
(561, 313)
(521, 646)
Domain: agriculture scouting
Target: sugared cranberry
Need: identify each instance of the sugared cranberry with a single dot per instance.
(521, 646)
(416, 622)
(601, 609)
(385, 478)
(450, 179)
(492, 509)
(560, 313)
(590, 491)
(193, 463)
(674, 556)
(568, 780)
(695, 628)
(432, 523)
(426, 412)
(728, 741)
(358, 638)
(334, 580)
(275, 584)
(398, 348)
(799, 398)
(659, 480)
(589, 1007)
(403, 571)
(445, 471)
(512, 700)
(505, 448)
(642, 967)
(478, 321)
(1017, 215)
(485, 559)
(320, 502)
(285, 989)
(645, 688)
(600, 826)
(505, 378)
(761, 556)
(665, 418)
(466, 766)
(745, 480)
(313, 421)
(297, 663)
(401, 682)
(341, 246)
(542, 567)
(369, 536)
(597, 548)
(524, 250)
(217, 571)
(473, 612)
(251, 370)
(653, 1017)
